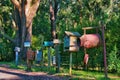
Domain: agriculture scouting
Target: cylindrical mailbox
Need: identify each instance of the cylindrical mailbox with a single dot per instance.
(73, 44)
(71, 41)
(86, 58)
(90, 40)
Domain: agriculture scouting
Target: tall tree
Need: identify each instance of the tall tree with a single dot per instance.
(54, 7)
(25, 11)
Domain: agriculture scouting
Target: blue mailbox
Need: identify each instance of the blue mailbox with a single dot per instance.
(66, 43)
(39, 56)
(48, 43)
(27, 44)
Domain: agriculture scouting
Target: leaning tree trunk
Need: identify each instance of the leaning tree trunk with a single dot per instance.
(53, 14)
(25, 11)
(53, 20)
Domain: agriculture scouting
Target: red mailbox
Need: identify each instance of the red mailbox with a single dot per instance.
(30, 54)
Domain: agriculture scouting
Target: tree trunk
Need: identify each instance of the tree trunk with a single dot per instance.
(52, 18)
(53, 15)
(25, 11)
(23, 26)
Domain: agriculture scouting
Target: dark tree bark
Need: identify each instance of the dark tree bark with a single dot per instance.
(53, 15)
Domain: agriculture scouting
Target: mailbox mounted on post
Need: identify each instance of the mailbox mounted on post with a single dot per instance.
(56, 41)
(27, 44)
(71, 41)
(48, 43)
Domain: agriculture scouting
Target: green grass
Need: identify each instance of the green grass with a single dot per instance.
(76, 74)
(92, 75)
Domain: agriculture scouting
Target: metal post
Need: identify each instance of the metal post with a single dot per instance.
(104, 45)
(70, 67)
(16, 58)
(17, 49)
(85, 52)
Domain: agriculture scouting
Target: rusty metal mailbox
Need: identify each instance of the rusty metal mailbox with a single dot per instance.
(71, 41)
(30, 54)
(90, 40)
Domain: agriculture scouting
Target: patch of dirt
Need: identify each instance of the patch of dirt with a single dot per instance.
(4, 65)
(15, 74)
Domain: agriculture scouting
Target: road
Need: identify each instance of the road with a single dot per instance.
(15, 74)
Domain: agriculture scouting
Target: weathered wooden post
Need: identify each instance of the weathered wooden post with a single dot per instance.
(71, 44)
(48, 44)
(104, 50)
(56, 43)
(49, 58)
(29, 55)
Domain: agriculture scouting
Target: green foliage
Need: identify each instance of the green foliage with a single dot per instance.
(114, 61)
(37, 42)
(72, 15)
(6, 48)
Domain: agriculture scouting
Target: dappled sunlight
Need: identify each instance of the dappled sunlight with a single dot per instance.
(7, 73)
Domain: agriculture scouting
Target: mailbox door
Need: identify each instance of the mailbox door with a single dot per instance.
(39, 56)
(66, 43)
(73, 44)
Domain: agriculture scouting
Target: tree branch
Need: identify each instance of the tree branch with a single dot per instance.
(16, 4)
(56, 8)
(31, 12)
(52, 15)
(7, 37)
(27, 5)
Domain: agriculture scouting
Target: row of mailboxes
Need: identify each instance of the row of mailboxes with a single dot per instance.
(51, 43)
(73, 41)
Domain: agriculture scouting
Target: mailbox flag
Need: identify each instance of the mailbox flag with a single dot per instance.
(86, 57)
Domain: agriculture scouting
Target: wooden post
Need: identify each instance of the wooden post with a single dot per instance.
(85, 50)
(57, 58)
(70, 67)
(104, 47)
(49, 59)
